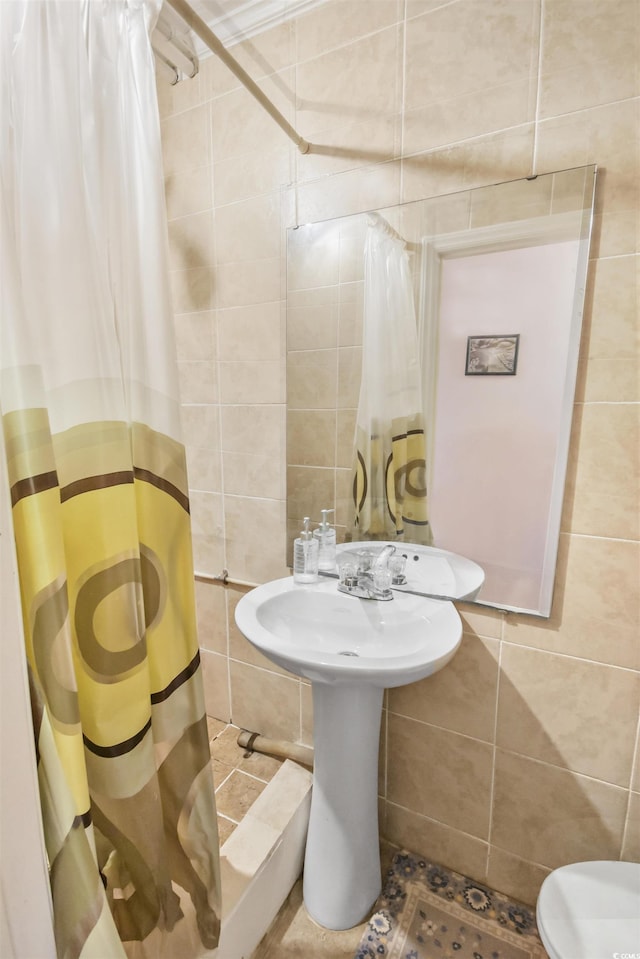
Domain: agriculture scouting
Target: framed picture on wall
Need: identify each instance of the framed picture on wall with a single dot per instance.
(495, 355)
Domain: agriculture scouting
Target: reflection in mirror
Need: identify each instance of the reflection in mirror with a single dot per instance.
(498, 276)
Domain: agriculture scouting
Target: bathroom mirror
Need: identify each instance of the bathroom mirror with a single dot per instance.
(498, 276)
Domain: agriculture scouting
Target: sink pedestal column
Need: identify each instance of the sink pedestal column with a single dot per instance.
(342, 876)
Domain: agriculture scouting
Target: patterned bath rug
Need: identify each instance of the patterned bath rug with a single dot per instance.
(428, 912)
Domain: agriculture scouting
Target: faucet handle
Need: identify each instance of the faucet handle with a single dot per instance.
(382, 578)
(348, 575)
(397, 564)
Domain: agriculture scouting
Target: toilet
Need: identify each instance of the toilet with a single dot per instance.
(591, 910)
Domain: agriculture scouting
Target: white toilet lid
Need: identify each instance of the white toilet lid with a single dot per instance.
(591, 910)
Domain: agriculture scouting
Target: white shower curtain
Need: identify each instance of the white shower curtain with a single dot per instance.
(90, 413)
(389, 484)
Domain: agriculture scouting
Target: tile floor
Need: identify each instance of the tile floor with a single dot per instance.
(294, 935)
(239, 778)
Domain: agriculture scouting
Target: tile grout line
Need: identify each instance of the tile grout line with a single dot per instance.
(494, 745)
(536, 119)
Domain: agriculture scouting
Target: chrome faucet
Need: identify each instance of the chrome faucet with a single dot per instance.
(368, 580)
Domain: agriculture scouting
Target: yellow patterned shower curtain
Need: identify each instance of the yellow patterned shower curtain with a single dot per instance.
(90, 413)
(389, 475)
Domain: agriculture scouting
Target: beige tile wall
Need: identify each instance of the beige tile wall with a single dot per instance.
(523, 753)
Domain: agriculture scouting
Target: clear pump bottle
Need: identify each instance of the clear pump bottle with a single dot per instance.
(305, 556)
(326, 536)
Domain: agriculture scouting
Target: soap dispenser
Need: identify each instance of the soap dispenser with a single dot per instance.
(326, 536)
(305, 556)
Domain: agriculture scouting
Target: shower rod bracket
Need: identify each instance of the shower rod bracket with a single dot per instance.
(202, 30)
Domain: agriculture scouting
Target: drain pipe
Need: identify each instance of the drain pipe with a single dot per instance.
(254, 742)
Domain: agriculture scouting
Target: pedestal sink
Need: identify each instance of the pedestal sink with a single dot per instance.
(350, 649)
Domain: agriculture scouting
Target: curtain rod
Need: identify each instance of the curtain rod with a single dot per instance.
(207, 35)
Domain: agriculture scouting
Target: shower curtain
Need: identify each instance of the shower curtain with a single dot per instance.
(90, 413)
(389, 482)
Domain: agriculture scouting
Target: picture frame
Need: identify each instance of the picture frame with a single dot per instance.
(493, 354)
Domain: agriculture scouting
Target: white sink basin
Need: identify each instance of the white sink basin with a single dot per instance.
(437, 572)
(326, 636)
